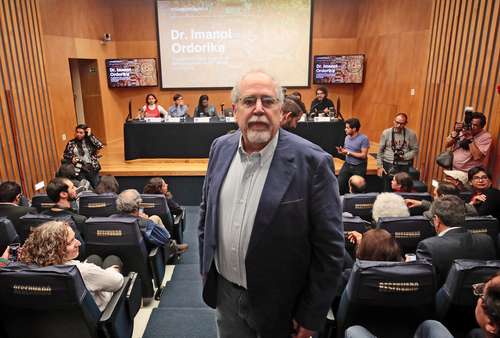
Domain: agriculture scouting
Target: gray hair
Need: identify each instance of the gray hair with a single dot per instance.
(235, 93)
(128, 201)
(450, 210)
(389, 204)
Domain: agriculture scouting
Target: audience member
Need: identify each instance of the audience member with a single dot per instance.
(63, 192)
(10, 197)
(152, 108)
(452, 240)
(321, 105)
(402, 182)
(458, 178)
(54, 243)
(487, 308)
(471, 146)
(152, 229)
(388, 204)
(157, 185)
(203, 109)
(67, 170)
(443, 188)
(398, 147)
(485, 198)
(290, 114)
(357, 184)
(375, 245)
(82, 152)
(178, 109)
(297, 97)
(108, 184)
(355, 150)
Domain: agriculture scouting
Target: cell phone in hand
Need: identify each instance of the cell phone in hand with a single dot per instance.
(435, 183)
(13, 251)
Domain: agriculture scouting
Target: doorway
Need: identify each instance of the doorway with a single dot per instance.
(87, 95)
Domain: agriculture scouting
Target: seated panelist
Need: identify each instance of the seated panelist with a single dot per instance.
(178, 109)
(152, 108)
(203, 109)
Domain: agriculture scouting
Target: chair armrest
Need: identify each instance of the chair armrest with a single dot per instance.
(178, 219)
(157, 266)
(116, 301)
(134, 294)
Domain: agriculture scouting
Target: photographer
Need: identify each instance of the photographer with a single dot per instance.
(470, 142)
(398, 147)
(82, 152)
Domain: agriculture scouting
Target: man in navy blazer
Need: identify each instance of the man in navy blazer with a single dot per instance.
(270, 232)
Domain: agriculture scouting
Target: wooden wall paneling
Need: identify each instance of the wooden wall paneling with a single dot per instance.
(492, 65)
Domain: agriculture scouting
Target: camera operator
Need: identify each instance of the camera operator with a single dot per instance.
(470, 142)
(82, 152)
(398, 147)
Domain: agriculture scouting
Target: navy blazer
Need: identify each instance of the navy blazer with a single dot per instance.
(296, 248)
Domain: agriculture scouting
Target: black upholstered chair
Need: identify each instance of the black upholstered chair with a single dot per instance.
(156, 204)
(42, 202)
(402, 294)
(483, 225)
(465, 195)
(419, 196)
(408, 231)
(360, 204)
(121, 236)
(53, 302)
(353, 224)
(8, 234)
(94, 205)
(455, 301)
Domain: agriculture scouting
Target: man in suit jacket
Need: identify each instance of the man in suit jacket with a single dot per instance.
(270, 232)
(10, 198)
(452, 240)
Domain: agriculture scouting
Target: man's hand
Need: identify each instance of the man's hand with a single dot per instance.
(342, 150)
(88, 131)
(354, 237)
(478, 199)
(412, 203)
(381, 172)
(143, 215)
(301, 332)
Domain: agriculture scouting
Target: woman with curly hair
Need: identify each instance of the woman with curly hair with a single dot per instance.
(54, 243)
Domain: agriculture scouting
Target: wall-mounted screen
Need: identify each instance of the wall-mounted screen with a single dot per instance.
(330, 69)
(210, 44)
(124, 73)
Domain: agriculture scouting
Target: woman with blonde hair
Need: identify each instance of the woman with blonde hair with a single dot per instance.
(54, 243)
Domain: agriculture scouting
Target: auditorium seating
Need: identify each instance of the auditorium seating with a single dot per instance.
(53, 302)
(388, 298)
(455, 301)
(121, 236)
(408, 231)
(360, 204)
(353, 224)
(156, 204)
(42, 202)
(94, 205)
(483, 225)
(8, 234)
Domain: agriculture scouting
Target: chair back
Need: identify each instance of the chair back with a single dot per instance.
(465, 195)
(376, 291)
(353, 224)
(121, 236)
(419, 196)
(408, 231)
(455, 300)
(8, 234)
(42, 302)
(94, 205)
(29, 222)
(483, 225)
(360, 204)
(42, 202)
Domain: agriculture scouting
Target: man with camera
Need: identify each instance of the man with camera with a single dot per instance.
(470, 142)
(398, 147)
(82, 152)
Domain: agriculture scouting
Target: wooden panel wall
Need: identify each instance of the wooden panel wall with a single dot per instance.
(463, 70)
(27, 146)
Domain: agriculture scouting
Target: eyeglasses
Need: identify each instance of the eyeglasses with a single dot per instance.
(400, 123)
(251, 101)
(478, 178)
(478, 289)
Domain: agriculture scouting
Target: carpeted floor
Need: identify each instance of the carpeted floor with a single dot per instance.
(181, 312)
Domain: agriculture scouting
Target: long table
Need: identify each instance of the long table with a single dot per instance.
(192, 140)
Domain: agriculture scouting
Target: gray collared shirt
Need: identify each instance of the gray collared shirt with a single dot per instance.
(238, 201)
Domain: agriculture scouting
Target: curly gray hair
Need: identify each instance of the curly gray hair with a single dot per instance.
(128, 201)
(389, 204)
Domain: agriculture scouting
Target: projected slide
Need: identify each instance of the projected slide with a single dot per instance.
(338, 69)
(209, 44)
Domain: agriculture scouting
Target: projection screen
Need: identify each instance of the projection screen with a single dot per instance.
(211, 43)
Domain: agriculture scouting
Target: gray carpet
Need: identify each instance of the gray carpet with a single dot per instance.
(182, 312)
